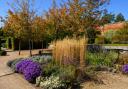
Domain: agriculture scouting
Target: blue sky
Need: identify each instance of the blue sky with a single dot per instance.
(116, 6)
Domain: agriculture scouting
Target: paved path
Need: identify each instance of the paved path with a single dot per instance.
(13, 81)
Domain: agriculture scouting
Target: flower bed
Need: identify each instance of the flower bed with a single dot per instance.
(45, 73)
(29, 68)
(48, 74)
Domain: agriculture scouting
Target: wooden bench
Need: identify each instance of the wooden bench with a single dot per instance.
(45, 52)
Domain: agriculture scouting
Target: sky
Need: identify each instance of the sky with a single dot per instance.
(119, 6)
(115, 6)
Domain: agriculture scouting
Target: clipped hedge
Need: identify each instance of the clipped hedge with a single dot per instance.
(3, 53)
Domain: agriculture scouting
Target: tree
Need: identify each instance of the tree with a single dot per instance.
(14, 26)
(76, 17)
(119, 18)
(83, 15)
(38, 29)
(92, 34)
(108, 18)
(20, 20)
(55, 24)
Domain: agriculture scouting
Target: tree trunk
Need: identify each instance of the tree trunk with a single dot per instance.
(13, 44)
(32, 44)
(19, 46)
(42, 44)
(30, 47)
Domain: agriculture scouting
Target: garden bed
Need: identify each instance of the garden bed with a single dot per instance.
(109, 81)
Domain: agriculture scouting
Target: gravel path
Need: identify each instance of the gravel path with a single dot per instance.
(110, 81)
(13, 81)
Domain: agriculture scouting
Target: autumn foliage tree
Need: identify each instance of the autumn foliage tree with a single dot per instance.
(76, 17)
(13, 26)
(73, 18)
(20, 19)
(39, 29)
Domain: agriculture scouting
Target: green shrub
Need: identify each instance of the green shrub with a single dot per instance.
(70, 77)
(100, 40)
(103, 59)
(116, 39)
(7, 43)
(67, 74)
(121, 35)
(120, 39)
(109, 35)
(123, 31)
(124, 39)
(50, 69)
(3, 53)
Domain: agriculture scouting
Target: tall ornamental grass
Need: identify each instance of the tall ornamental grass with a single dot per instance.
(70, 51)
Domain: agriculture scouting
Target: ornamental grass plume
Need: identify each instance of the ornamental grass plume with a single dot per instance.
(70, 51)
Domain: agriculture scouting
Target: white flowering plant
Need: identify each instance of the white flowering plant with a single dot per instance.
(52, 82)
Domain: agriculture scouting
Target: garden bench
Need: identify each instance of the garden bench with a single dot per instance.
(45, 52)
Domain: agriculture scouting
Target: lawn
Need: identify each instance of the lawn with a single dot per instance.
(115, 44)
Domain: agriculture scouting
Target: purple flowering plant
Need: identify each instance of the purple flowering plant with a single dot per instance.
(125, 68)
(29, 68)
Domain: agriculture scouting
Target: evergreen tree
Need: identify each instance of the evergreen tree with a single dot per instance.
(119, 18)
(108, 18)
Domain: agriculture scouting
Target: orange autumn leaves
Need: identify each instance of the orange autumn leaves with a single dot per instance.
(72, 18)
